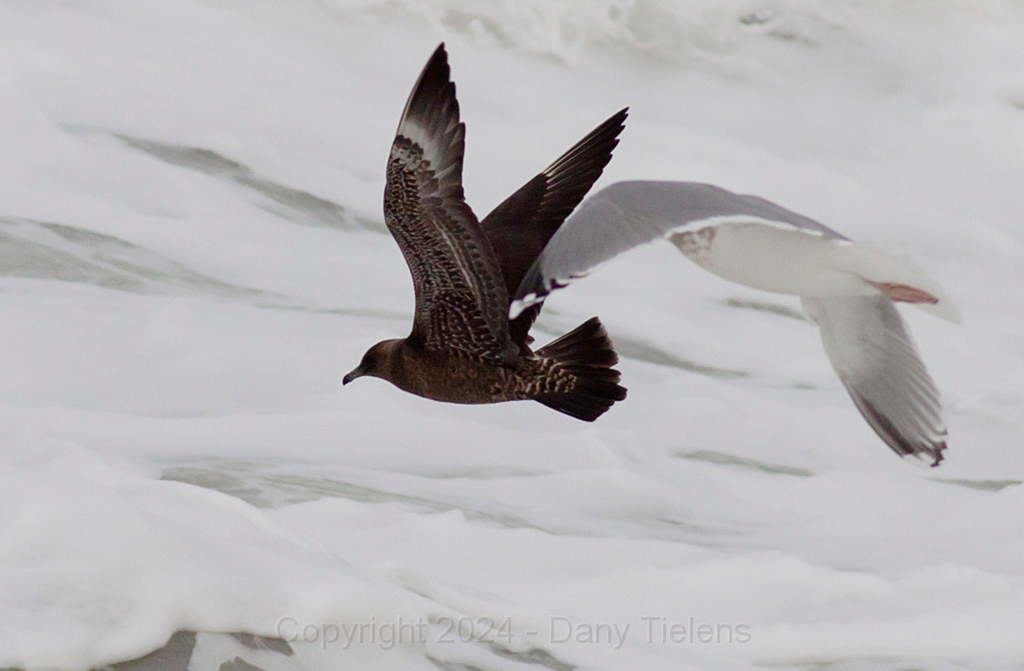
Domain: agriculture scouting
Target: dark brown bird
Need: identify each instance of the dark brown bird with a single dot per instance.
(463, 348)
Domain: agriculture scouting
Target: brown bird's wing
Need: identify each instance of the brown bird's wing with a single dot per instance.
(461, 299)
(521, 226)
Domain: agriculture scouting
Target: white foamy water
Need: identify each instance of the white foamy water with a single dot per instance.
(192, 255)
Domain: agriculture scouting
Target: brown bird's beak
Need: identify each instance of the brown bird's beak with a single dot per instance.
(358, 372)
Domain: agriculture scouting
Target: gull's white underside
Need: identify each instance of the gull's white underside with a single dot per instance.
(778, 257)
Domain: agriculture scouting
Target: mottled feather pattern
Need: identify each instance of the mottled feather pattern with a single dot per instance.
(460, 297)
(461, 348)
(578, 376)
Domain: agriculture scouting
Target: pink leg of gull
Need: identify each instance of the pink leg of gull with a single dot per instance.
(903, 292)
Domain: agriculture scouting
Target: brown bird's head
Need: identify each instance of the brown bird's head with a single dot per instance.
(377, 362)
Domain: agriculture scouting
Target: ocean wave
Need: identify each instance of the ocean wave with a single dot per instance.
(667, 30)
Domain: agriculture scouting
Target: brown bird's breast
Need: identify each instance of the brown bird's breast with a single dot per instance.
(455, 379)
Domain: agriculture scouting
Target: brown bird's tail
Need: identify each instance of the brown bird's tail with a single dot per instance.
(582, 382)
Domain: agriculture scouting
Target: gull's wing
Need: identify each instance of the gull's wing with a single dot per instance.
(876, 359)
(521, 226)
(461, 300)
(627, 214)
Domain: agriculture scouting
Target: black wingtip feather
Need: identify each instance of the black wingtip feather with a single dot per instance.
(431, 120)
(899, 444)
(585, 161)
(586, 352)
(522, 224)
(433, 89)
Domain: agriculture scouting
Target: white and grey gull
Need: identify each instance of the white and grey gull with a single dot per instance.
(846, 288)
